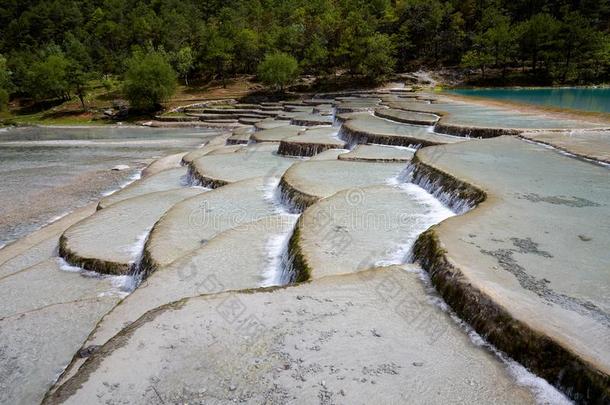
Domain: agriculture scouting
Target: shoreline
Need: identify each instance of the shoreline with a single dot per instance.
(565, 113)
(584, 86)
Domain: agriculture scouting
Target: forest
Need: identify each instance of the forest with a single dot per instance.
(52, 49)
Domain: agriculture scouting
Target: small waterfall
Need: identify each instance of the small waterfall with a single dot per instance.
(191, 179)
(280, 270)
(121, 285)
(136, 271)
(283, 200)
(349, 138)
(449, 198)
(437, 212)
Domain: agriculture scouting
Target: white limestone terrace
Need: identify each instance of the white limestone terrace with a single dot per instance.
(360, 228)
(219, 170)
(364, 219)
(300, 342)
(111, 240)
(479, 119)
(311, 142)
(307, 182)
(586, 144)
(194, 222)
(367, 128)
(528, 266)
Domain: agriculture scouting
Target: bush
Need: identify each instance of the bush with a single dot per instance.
(278, 70)
(149, 81)
(108, 83)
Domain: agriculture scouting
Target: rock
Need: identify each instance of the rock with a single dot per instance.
(120, 168)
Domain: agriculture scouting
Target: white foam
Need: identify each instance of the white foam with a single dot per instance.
(65, 266)
(411, 148)
(126, 284)
(435, 213)
(136, 249)
(273, 195)
(279, 270)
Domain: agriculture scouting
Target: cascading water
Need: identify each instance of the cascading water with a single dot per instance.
(435, 188)
(122, 286)
(280, 270)
(136, 273)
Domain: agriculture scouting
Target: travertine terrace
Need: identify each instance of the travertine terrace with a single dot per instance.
(384, 244)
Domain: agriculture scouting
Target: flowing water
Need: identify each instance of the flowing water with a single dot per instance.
(47, 172)
(578, 98)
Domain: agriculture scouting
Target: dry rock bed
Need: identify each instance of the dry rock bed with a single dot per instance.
(339, 249)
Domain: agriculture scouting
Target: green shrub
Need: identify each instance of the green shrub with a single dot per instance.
(278, 70)
(149, 81)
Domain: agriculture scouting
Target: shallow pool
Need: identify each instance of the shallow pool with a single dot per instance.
(47, 172)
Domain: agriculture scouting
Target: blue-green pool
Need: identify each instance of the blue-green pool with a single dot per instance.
(577, 98)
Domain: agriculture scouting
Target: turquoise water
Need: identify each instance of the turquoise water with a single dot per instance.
(577, 98)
